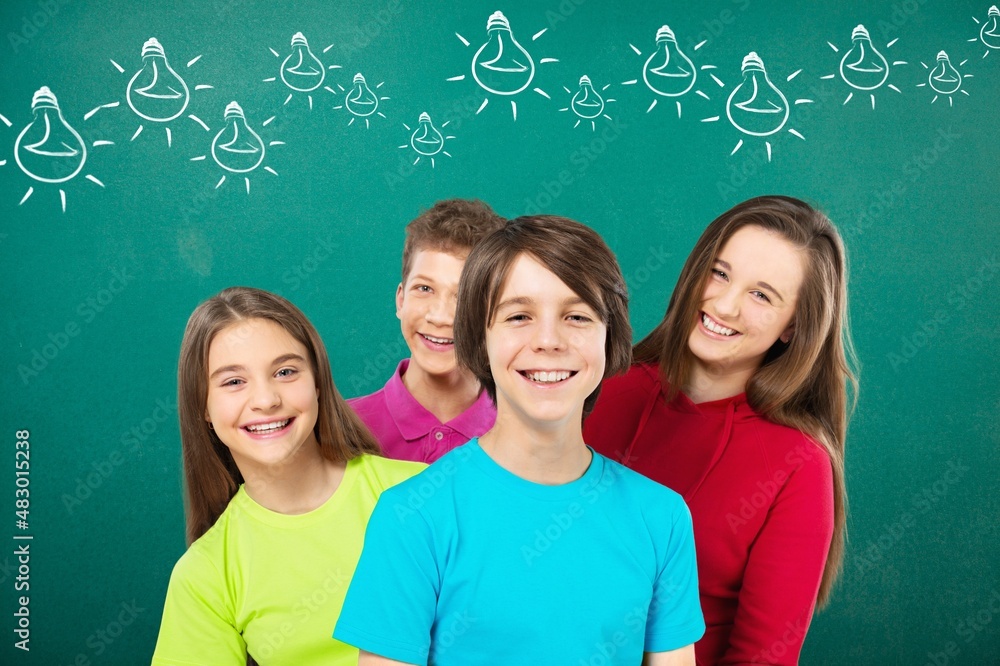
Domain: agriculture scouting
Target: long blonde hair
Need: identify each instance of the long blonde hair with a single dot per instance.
(802, 384)
(211, 477)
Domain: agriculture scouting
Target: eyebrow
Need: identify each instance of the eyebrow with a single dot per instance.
(765, 285)
(525, 300)
(281, 360)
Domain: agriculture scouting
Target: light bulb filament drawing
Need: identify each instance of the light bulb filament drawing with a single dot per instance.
(989, 31)
(361, 100)
(427, 140)
(587, 103)
(502, 65)
(669, 71)
(864, 67)
(49, 149)
(237, 147)
(302, 70)
(944, 78)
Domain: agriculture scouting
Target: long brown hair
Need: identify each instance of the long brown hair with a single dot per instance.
(802, 384)
(211, 477)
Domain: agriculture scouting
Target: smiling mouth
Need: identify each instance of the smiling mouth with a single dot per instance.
(264, 428)
(711, 325)
(437, 341)
(546, 377)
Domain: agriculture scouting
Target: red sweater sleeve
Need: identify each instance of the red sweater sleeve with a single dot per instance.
(786, 563)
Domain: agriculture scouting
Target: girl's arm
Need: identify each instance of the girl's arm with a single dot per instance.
(785, 566)
(680, 657)
(369, 659)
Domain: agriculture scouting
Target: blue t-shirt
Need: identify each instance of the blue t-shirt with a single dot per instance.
(467, 563)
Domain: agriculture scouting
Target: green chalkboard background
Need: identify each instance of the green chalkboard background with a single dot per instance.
(94, 298)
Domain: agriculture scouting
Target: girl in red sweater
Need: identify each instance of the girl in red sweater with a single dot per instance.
(738, 401)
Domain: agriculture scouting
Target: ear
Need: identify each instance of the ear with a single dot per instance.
(399, 299)
(786, 335)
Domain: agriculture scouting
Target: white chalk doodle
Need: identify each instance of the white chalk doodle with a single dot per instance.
(427, 140)
(669, 72)
(587, 103)
(302, 71)
(863, 67)
(944, 78)
(157, 93)
(237, 147)
(49, 149)
(361, 101)
(502, 66)
(757, 107)
(989, 30)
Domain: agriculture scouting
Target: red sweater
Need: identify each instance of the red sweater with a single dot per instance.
(761, 498)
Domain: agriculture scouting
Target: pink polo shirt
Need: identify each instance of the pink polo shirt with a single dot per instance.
(407, 431)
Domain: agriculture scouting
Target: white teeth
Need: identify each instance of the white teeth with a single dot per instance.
(716, 328)
(549, 377)
(268, 427)
(439, 341)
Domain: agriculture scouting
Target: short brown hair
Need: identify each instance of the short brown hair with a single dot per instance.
(452, 225)
(576, 254)
(211, 477)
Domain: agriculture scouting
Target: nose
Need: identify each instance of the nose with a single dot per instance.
(548, 335)
(441, 311)
(265, 397)
(727, 303)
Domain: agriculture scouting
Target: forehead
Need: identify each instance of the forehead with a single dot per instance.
(765, 255)
(252, 341)
(529, 278)
(437, 264)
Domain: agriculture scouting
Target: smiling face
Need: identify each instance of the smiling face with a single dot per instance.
(748, 304)
(425, 306)
(546, 348)
(262, 397)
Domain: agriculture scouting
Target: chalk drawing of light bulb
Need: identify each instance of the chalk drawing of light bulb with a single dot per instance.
(944, 78)
(863, 66)
(48, 149)
(157, 92)
(302, 70)
(990, 32)
(501, 65)
(427, 139)
(587, 103)
(236, 147)
(668, 71)
(360, 100)
(756, 107)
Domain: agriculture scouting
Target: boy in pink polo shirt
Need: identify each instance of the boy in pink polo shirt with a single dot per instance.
(430, 405)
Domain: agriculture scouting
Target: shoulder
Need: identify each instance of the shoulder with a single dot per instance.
(387, 472)
(367, 404)
(638, 380)
(203, 562)
(787, 447)
(642, 494)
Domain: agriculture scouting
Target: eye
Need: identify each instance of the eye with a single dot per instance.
(517, 318)
(720, 274)
(580, 318)
(422, 288)
(287, 372)
(232, 382)
(759, 295)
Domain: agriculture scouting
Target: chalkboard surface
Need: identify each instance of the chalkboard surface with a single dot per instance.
(153, 153)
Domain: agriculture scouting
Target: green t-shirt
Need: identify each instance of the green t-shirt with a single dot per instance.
(272, 584)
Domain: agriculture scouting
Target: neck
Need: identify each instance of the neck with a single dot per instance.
(299, 485)
(551, 457)
(445, 396)
(707, 383)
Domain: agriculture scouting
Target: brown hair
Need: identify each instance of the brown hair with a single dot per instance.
(576, 254)
(211, 477)
(452, 225)
(802, 384)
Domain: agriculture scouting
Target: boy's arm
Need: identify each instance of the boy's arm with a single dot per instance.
(369, 659)
(680, 657)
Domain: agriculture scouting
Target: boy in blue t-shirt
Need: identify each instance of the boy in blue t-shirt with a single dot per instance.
(526, 546)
